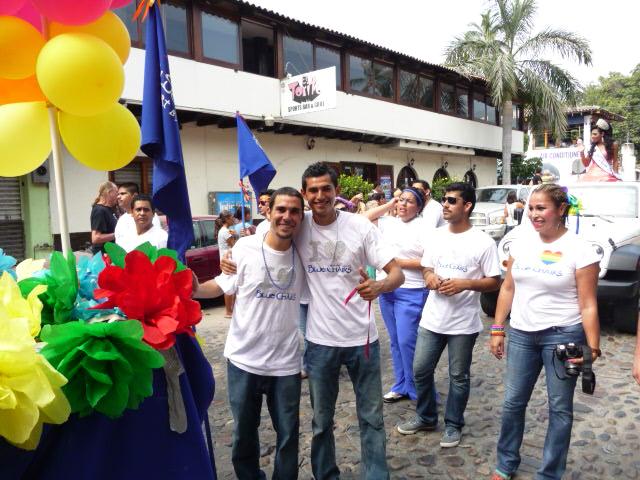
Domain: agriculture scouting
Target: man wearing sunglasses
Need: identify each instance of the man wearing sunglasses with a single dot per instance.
(263, 207)
(459, 263)
(432, 212)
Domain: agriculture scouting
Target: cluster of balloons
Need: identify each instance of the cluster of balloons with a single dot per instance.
(69, 54)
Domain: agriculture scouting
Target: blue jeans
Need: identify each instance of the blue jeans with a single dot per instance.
(527, 353)
(304, 309)
(429, 347)
(324, 370)
(401, 311)
(283, 400)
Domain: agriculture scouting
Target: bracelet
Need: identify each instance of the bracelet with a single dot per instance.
(497, 330)
(498, 334)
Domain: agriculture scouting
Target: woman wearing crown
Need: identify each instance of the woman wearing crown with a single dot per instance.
(601, 160)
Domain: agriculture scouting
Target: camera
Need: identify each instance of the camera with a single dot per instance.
(566, 352)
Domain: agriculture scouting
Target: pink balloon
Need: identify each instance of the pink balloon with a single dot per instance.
(29, 13)
(72, 12)
(10, 7)
(120, 3)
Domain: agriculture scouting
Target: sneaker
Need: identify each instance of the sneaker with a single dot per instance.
(415, 425)
(451, 437)
(393, 397)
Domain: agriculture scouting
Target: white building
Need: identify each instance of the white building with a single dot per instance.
(396, 117)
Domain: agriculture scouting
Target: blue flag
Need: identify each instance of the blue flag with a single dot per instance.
(254, 163)
(161, 138)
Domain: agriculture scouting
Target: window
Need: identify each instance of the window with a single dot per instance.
(126, 15)
(491, 112)
(220, 39)
(372, 78)
(517, 113)
(139, 171)
(479, 107)
(326, 58)
(197, 236)
(209, 229)
(298, 56)
(176, 28)
(462, 104)
(415, 89)
(258, 49)
(447, 98)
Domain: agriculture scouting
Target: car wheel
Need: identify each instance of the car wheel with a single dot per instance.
(625, 315)
(488, 302)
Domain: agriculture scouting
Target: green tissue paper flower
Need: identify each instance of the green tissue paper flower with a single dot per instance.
(116, 254)
(108, 366)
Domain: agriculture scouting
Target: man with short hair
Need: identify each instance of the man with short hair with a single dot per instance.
(262, 345)
(432, 212)
(263, 207)
(459, 263)
(142, 213)
(126, 226)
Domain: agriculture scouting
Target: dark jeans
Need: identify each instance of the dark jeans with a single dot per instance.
(283, 400)
(429, 347)
(323, 365)
(304, 310)
(527, 353)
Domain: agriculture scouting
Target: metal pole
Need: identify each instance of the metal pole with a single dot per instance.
(58, 175)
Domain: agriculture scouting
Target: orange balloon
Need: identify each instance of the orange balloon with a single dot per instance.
(108, 27)
(20, 44)
(15, 91)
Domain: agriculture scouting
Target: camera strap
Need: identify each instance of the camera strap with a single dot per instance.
(588, 376)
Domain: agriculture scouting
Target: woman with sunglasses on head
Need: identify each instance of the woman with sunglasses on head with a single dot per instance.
(401, 308)
(602, 158)
(550, 290)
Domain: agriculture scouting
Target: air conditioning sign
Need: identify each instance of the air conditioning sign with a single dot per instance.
(309, 92)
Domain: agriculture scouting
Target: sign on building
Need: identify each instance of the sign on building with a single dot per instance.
(308, 92)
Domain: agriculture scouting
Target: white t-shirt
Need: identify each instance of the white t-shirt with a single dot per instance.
(224, 234)
(544, 276)
(263, 227)
(406, 240)
(126, 226)
(332, 256)
(156, 236)
(432, 214)
(263, 336)
(472, 254)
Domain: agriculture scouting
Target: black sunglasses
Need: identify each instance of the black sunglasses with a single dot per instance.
(450, 200)
(262, 203)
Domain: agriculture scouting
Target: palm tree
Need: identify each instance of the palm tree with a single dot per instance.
(504, 50)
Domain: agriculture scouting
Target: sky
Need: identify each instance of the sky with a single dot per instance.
(423, 28)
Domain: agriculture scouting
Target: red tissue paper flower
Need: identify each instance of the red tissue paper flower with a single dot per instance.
(153, 293)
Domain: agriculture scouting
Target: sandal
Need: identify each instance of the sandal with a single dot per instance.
(498, 475)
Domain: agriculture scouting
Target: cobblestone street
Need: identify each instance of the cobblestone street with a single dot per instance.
(605, 440)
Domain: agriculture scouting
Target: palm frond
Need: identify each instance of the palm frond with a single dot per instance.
(567, 86)
(545, 102)
(568, 44)
(514, 19)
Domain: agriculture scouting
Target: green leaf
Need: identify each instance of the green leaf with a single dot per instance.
(116, 253)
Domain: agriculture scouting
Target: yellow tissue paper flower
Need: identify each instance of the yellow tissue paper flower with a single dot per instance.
(30, 388)
(26, 268)
(13, 305)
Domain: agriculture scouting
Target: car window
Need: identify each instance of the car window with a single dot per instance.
(495, 195)
(524, 194)
(197, 236)
(209, 229)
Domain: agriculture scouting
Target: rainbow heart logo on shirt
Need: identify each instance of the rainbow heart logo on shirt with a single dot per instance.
(548, 257)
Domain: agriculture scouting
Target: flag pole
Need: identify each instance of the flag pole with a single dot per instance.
(56, 154)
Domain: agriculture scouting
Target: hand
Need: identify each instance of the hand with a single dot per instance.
(368, 289)
(496, 345)
(433, 281)
(195, 285)
(452, 286)
(227, 265)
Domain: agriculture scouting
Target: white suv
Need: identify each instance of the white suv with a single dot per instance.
(488, 214)
(610, 220)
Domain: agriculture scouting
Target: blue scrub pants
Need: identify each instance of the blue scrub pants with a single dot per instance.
(401, 312)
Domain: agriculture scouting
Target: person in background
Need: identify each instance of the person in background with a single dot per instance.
(226, 240)
(511, 219)
(246, 228)
(142, 213)
(263, 207)
(126, 225)
(459, 263)
(402, 308)
(103, 217)
(432, 212)
(537, 177)
(550, 290)
(262, 346)
(602, 159)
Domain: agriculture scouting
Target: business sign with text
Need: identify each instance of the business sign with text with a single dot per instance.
(308, 92)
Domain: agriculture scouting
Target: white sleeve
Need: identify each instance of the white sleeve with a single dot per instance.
(228, 283)
(161, 238)
(489, 260)
(376, 250)
(120, 230)
(156, 221)
(585, 255)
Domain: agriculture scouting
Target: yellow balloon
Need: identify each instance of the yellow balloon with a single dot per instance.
(80, 74)
(20, 44)
(109, 28)
(108, 141)
(25, 140)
